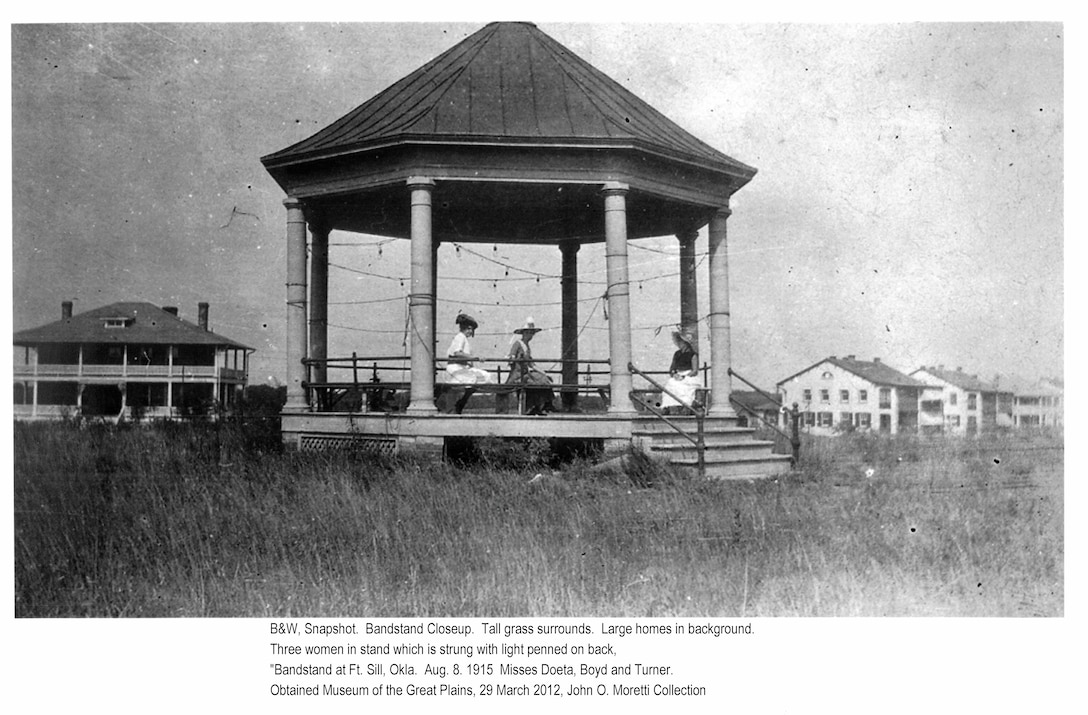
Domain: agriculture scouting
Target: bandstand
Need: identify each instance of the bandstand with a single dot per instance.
(506, 138)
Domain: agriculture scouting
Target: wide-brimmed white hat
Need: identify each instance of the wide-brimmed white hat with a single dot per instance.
(686, 336)
(529, 327)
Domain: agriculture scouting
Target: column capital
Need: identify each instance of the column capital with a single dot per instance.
(615, 187)
(724, 212)
(293, 202)
(420, 182)
(569, 246)
(687, 235)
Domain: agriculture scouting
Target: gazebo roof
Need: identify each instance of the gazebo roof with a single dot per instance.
(519, 134)
(511, 82)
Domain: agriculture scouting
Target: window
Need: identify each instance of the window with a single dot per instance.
(846, 420)
(885, 398)
(972, 400)
(844, 396)
(810, 419)
(826, 419)
(117, 322)
(865, 420)
(953, 398)
(863, 396)
(807, 395)
(954, 420)
(825, 395)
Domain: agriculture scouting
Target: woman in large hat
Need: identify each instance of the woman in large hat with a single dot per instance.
(537, 385)
(683, 374)
(459, 359)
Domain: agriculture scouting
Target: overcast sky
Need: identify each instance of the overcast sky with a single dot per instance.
(908, 203)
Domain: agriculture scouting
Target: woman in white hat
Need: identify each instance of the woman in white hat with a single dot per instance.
(683, 374)
(538, 386)
(459, 359)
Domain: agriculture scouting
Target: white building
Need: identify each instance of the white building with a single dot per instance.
(841, 394)
(969, 405)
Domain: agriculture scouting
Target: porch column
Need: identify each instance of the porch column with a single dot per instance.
(689, 293)
(569, 329)
(434, 291)
(720, 360)
(421, 299)
(319, 298)
(296, 307)
(619, 301)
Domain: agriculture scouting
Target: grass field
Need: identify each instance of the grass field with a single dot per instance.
(200, 520)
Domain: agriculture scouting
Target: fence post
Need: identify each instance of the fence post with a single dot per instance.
(795, 434)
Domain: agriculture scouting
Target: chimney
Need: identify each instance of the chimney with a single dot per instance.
(65, 309)
(876, 360)
(959, 369)
(851, 357)
(940, 367)
(171, 309)
(202, 315)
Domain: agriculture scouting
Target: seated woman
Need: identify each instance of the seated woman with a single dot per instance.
(537, 385)
(683, 376)
(459, 367)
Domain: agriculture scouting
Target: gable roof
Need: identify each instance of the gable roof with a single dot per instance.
(875, 372)
(149, 324)
(959, 379)
(508, 81)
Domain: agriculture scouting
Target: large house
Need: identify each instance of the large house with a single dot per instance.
(133, 360)
(1035, 404)
(843, 394)
(968, 405)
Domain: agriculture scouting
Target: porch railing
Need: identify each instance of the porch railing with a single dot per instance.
(696, 409)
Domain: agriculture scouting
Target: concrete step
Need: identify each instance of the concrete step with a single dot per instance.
(735, 435)
(759, 468)
(730, 451)
(644, 425)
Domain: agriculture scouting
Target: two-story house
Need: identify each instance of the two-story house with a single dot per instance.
(1034, 404)
(969, 405)
(843, 394)
(132, 360)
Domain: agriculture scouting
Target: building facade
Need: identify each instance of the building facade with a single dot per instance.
(968, 405)
(839, 395)
(126, 360)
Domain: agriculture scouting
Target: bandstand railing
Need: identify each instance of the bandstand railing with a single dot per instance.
(382, 383)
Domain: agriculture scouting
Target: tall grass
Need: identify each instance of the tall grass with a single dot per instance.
(200, 520)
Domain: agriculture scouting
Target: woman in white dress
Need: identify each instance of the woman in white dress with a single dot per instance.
(683, 375)
(459, 367)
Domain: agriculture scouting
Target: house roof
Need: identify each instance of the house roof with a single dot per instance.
(508, 82)
(145, 324)
(959, 379)
(753, 400)
(875, 372)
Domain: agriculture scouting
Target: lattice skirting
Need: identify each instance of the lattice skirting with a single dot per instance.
(330, 443)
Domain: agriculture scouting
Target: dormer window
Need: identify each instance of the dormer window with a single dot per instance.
(121, 322)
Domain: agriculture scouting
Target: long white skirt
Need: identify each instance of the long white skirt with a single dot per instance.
(684, 389)
(468, 375)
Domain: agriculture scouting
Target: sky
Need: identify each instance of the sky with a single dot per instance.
(908, 203)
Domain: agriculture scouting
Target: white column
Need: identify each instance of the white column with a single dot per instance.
(296, 307)
(619, 300)
(319, 298)
(720, 360)
(421, 299)
(689, 292)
